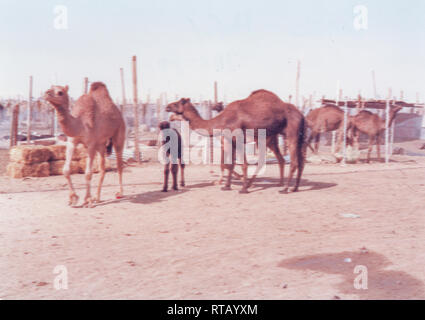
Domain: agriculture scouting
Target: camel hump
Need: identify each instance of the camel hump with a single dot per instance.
(261, 91)
(97, 85)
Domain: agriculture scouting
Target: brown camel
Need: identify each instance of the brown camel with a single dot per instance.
(261, 110)
(372, 125)
(97, 123)
(325, 119)
(174, 154)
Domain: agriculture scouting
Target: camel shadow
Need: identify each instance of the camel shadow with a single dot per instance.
(145, 197)
(381, 283)
(152, 196)
(264, 183)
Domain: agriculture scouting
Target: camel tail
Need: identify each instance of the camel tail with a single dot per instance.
(301, 144)
(109, 147)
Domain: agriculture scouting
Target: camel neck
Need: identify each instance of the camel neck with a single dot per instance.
(70, 125)
(391, 119)
(196, 122)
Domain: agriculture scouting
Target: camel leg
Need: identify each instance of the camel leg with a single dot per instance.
(272, 144)
(102, 173)
(316, 143)
(275, 149)
(166, 174)
(91, 153)
(182, 165)
(118, 143)
(378, 147)
(70, 147)
(245, 175)
(310, 139)
(222, 167)
(369, 150)
(174, 172)
(339, 139)
(294, 166)
(230, 168)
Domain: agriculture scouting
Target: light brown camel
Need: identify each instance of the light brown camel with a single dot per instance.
(261, 110)
(97, 123)
(325, 119)
(372, 125)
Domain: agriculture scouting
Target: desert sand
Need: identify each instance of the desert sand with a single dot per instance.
(204, 243)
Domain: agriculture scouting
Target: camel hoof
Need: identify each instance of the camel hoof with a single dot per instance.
(243, 191)
(118, 195)
(164, 190)
(294, 189)
(88, 202)
(182, 184)
(226, 188)
(175, 189)
(73, 200)
(284, 191)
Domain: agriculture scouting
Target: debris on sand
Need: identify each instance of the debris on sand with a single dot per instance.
(349, 215)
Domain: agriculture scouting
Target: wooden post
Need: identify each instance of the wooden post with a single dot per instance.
(29, 111)
(297, 84)
(338, 98)
(344, 157)
(210, 117)
(359, 102)
(14, 126)
(158, 110)
(387, 130)
(136, 112)
(86, 85)
(124, 99)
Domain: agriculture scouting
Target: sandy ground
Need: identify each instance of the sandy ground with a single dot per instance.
(204, 243)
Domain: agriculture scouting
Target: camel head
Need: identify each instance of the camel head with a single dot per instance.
(218, 107)
(180, 107)
(164, 125)
(57, 96)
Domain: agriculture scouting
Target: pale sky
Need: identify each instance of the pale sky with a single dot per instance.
(184, 46)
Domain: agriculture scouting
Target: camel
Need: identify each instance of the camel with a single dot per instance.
(325, 119)
(261, 110)
(96, 122)
(167, 134)
(372, 125)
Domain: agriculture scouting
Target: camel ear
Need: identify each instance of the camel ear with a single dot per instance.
(66, 88)
(184, 101)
